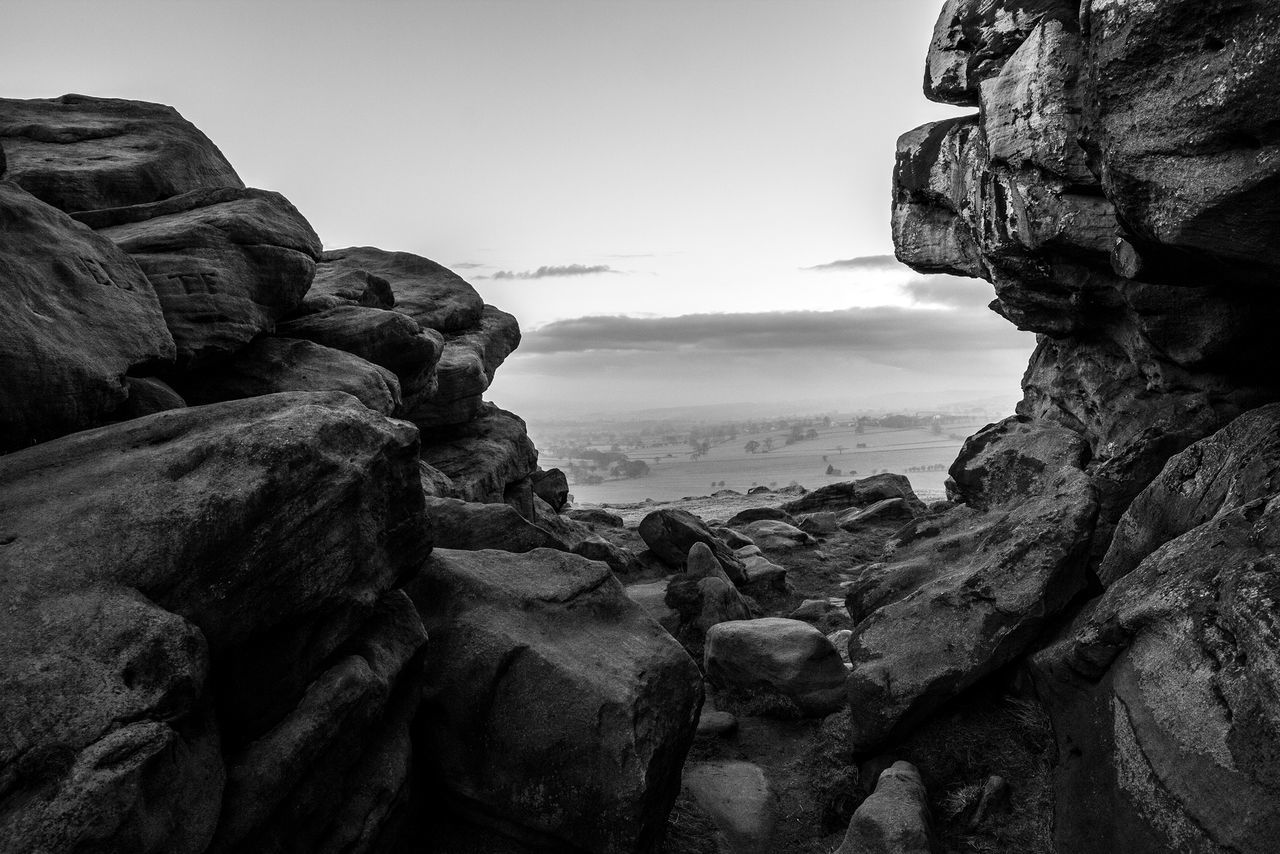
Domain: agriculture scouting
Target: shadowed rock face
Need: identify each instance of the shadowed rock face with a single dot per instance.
(80, 153)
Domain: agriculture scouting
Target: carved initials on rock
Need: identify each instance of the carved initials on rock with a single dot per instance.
(195, 283)
(94, 270)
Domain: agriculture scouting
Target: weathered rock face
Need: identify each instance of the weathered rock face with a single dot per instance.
(973, 39)
(227, 264)
(80, 153)
(175, 586)
(78, 314)
(597, 767)
(1182, 108)
(1101, 190)
(1163, 698)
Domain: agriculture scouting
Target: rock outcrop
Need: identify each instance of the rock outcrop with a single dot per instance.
(1118, 188)
(209, 531)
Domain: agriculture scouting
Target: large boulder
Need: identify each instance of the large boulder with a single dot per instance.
(470, 526)
(894, 819)
(226, 264)
(838, 497)
(552, 487)
(270, 365)
(79, 314)
(777, 535)
(777, 656)
(433, 295)
(670, 533)
(80, 153)
(482, 456)
(1005, 461)
(965, 595)
(1163, 698)
(554, 708)
(156, 572)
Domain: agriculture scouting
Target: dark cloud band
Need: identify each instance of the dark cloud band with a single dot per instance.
(856, 330)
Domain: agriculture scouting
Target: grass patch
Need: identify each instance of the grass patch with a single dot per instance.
(689, 829)
(989, 734)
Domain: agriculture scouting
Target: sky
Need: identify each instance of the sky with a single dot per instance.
(683, 201)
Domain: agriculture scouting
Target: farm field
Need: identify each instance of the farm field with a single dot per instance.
(673, 474)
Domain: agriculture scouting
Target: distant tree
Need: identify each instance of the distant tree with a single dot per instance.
(751, 447)
(824, 458)
(859, 428)
(631, 468)
(811, 433)
(935, 426)
(830, 469)
(826, 421)
(839, 449)
(768, 445)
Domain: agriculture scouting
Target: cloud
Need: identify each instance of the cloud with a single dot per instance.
(554, 271)
(950, 291)
(866, 262)
(467, 265)
(863, 331)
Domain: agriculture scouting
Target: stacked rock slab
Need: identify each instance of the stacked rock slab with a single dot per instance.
(1119, 188)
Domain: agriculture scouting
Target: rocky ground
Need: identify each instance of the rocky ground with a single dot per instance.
(765, 774)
